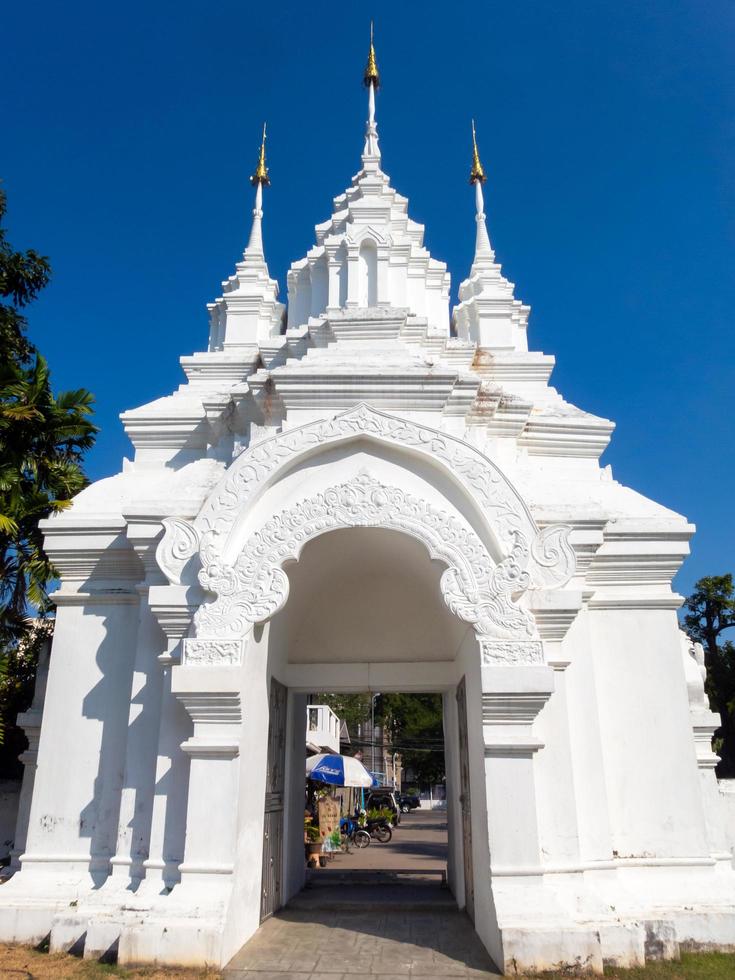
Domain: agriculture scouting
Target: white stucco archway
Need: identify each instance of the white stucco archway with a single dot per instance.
(246, 581)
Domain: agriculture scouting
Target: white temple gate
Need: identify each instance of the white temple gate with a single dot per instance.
(360, 491)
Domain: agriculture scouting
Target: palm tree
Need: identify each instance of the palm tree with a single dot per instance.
(42, 438)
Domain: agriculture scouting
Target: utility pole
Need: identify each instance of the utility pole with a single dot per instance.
(372, 730)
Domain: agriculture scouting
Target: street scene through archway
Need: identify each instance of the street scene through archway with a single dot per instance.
(380, 889)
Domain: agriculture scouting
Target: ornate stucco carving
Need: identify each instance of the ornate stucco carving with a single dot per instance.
(250, 585)
(552, 557)
(212, 651)
(511, 652)
(474, 587)
(178, 544)
(485, 483)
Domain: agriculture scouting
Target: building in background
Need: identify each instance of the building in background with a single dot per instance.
(323, 730)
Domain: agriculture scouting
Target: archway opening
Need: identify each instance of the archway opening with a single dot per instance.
(365, 621)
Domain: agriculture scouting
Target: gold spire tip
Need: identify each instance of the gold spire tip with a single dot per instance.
(261, 171)
(477, 172)
(372, 75)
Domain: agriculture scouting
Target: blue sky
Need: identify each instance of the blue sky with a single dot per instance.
(607, 130)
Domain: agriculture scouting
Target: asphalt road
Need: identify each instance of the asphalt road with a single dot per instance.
(419, 844)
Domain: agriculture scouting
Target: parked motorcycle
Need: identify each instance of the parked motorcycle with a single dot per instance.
(380, 830)
(353, 833)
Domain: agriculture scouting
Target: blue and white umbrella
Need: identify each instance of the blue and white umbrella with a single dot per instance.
(338, 770)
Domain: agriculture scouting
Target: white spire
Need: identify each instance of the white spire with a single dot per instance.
(371, 78)
(254, 249)
(483, 249)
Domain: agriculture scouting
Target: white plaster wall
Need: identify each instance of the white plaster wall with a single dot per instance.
(76, 799)
(555, 785)
(652, 780)
(726, 788)
(367, 595)
(586, 749)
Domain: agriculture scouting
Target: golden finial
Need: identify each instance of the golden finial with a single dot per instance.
(477, 173)
(261, 172)
(372, 76)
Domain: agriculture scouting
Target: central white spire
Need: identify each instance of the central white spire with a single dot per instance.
(254, 248)
(483, 248)
(371, 78)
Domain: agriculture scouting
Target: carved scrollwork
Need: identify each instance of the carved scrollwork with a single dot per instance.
(474, 587)
(553, 559)
(179, 543)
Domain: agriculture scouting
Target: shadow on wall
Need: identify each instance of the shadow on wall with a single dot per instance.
(109, 703)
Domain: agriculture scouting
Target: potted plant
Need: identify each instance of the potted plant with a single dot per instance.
(313, 842)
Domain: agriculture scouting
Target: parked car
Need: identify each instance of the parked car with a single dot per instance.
(407, 801)
(384, 797)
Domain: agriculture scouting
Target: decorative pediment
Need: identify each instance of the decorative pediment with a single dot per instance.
(247, 578)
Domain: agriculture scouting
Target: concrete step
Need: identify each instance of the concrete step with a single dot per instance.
(372, 897)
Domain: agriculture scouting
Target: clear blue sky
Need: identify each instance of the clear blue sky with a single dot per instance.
(607, 129)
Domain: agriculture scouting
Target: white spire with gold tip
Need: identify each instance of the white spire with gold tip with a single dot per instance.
(260, 178)
(483, 248)
(371, 79)
(488, 314)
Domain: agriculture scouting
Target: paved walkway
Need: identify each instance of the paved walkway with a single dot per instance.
(347, 929)
(419, 843)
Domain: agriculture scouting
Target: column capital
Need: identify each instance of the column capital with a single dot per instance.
(174, 607)
(512, 698)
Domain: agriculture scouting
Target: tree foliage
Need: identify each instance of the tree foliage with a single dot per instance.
(413, 722)
(43, 437)
(711, 611)
(416, 724)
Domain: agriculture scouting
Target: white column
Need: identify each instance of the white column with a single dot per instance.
(173, 607)
(134, 822)
(211, 696)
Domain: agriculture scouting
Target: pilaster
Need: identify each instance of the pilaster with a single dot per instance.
(512, 698)
(211, 697)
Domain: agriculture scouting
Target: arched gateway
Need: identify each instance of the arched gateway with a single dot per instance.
(353, 494)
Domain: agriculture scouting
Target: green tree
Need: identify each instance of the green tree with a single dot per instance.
(416, 726)
(43, 437)
(352, 709)
(711, 611)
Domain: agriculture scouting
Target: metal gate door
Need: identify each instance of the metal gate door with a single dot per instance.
(270, 900)
(465, 800)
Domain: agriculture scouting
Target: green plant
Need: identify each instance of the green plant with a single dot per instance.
(312, 833)
(383, 813)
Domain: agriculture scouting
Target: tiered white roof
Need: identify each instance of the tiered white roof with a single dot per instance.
(368, 319)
